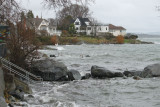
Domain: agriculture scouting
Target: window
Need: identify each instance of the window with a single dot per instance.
(76, 28)
(89, 28)
(99, 28)
(77, 23)
(83, 28)
(106, 28)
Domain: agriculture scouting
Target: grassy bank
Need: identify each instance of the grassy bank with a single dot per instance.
(49, 40)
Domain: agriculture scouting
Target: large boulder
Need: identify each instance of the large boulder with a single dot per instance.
(132, 73)
(151, 71)
(50, 70)
(101, 72)
(73, 75)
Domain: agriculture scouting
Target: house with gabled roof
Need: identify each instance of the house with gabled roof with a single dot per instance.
(83, 25)
(117, 30)
(40, 25)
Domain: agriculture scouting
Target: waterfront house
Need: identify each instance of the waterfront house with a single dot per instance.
(83, 26)
(117, 30)
(43, 26)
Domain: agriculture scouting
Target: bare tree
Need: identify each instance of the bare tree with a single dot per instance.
(22, 43)
(9, 9)
(74, 11)
(64, 3)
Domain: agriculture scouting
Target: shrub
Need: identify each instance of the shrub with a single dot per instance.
(109, 36)
(120, 39)
(54, 40)
(65, 33)
(45, 40)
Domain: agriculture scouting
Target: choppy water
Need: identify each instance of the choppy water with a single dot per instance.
(115, 92)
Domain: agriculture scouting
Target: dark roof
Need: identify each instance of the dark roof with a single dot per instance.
(113, 27)
(34, 22)
(83, 20)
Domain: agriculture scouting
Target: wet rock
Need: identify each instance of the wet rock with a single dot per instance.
(136, 78)
(87, 56)
(86, 76)
(2, 102)
(50, 70)
(10, 105)
(73, 75)
(118, 74)
(124, 77)
(101, 72)
(151, 71)
(17, 95)
(12, 99)
(9, 82)
(30, 96)
(52, 55)
(132, 73)
(44, 55)
(19, 88)
(75, 65)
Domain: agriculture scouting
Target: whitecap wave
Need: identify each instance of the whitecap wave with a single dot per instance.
(60, 48)
(156, 42)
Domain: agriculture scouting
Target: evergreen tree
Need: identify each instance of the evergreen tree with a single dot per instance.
(72, 29)
(23, 16)
(30, 14)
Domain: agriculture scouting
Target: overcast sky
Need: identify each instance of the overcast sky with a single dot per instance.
(139, 16)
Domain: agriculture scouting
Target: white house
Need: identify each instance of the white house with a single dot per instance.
(43, 25)
(117, 30)
(83, 26)
(99, 29)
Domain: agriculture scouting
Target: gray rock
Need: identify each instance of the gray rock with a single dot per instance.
(151, 71)
(118, 74)
(18, 95)
(132, 73)
(101, 72)
(124, 77)
(137, 78)
(87, 56)
(50, 70)
(2, 102)
(86, 76)
(12, 99)
(9, 81)
(10, 105)
(73, 75)
(52, 55)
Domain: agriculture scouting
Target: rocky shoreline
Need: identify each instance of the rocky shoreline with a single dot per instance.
(52, 70)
